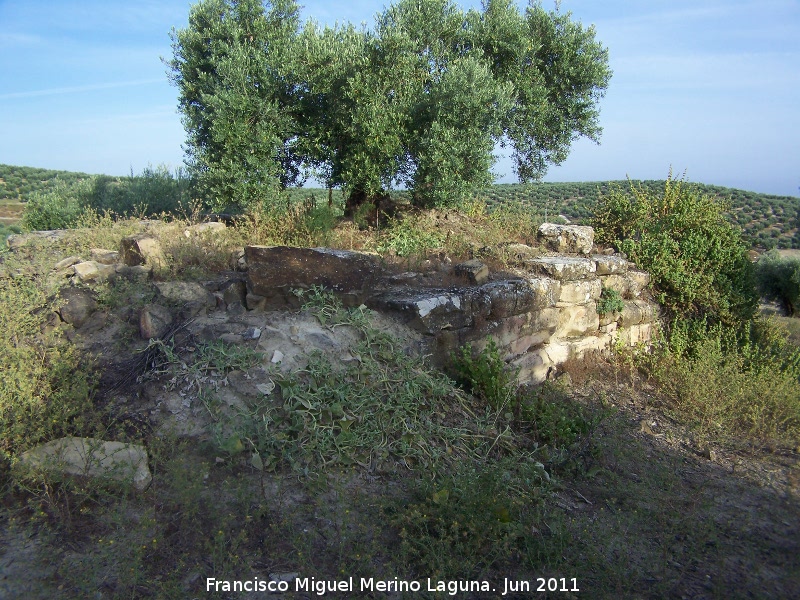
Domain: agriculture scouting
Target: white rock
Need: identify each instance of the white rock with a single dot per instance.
(91, 457)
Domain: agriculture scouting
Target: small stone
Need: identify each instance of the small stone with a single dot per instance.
(154, 321)
(265, 388)
(473, 270)
(235, 292)
(277, 357)
(140, 249)
(252, 333)
(67, 262)
(139, 273)
(78, 306)
(91, 271)
(236, 308)
(185, 292)
(255, 302)
(103, 256)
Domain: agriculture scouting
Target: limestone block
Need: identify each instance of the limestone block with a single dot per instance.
(593, 343)
(142, 249)
(90, 271)
(186, 292)
(79, 304)
(637, 311)
(636, 334)
(94, 458)
(515, 335)
(557, 353)
(563, 268)
(608, 264)
(271, 267)
(473, 271)
(428, 311)
(609, 328)
(579, 292)
(502, 299)
(629, 284)
(570, 239)
(577, 320)
(535, 366)
(103, 256)
(532, 367)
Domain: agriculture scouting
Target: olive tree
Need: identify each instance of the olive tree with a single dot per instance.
(421, 99)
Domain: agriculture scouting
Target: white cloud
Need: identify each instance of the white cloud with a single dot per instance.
(80, 88)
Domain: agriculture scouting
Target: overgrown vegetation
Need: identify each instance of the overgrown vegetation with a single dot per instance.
(740, 385)
(698, 262)
(482, 482)
(610, 301)
(726, 374)
(779, 279)
(45, 385)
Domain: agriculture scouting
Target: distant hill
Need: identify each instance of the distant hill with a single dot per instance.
(768, 221)
(18, 183)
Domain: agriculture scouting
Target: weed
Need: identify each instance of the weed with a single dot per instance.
(485, 375)
(45, 385)
(466, 521)
(730, 382)
(407, 238)
(610, 302)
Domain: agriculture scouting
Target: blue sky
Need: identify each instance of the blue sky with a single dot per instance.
(708, 87)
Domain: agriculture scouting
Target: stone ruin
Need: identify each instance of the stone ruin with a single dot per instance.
(540, 313)
(540, 306)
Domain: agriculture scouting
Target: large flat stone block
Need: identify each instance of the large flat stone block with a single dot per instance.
(283, 267)
(577, 321)
(570, 239)
(579, 292)
(563, 268)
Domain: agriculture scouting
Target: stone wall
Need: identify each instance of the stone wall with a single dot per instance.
(541, 312)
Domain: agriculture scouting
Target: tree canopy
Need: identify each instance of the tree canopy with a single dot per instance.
(421, 99)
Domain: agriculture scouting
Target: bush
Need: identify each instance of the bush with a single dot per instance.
(154, 191)
(485, 374)
(610, 301)
(728, 381)
(57, 208)
(698, 260)
(779, 279)
(44, 385)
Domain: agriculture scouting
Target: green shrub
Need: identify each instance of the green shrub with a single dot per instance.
(57, 208)
(610, 301)
(698, 260)
(485, 374)
(406, 238)
(731, 381)
(554, 418)
(779, 279)
(45, 385)
(474, 517)
(154, 191)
